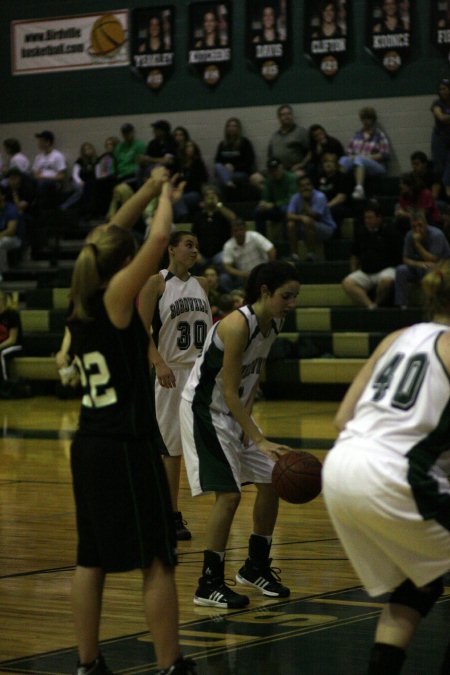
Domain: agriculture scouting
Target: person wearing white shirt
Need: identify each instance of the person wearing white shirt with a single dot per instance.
(243, 252)
(16, 158)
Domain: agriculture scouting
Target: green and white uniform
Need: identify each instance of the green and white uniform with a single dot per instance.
(180, 325)
(214, 455)
(385, 482)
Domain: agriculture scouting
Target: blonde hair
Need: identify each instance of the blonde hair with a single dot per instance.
(436, 289)
(105, 252)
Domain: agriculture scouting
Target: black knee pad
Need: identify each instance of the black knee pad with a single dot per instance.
(421, 600)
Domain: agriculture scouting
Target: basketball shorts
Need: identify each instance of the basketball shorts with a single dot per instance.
(376, 518)
(123, 510)
(216, 460)
(167, 402)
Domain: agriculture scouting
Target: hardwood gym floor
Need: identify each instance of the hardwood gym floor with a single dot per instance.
(324, 628)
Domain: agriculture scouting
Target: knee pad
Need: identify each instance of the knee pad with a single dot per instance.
(422, 600)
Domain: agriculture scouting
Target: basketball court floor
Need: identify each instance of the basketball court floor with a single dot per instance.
(324, 628)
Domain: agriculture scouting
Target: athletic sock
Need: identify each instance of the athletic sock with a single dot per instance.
(386, 659)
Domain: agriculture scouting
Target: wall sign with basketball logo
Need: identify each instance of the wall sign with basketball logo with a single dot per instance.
(326, 34)
(389, 32)
(210, 40)
(440, 26)
(269, 36)
(69, 42)
(151, 44)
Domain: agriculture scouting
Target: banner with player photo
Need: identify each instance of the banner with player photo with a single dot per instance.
(440, 26)
(326, 41)
(389, 32)
(269, 36)
(151, 44)
(210, 40)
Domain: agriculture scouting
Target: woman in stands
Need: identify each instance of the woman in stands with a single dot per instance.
(235, 156)
(385, 481)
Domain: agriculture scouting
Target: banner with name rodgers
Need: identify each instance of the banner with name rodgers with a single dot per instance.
(69, 42)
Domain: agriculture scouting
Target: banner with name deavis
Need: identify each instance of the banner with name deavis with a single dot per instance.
(151, 44)
(440, 26)
(389, 33)
(269, 37)
(210, 40)
(326, 34)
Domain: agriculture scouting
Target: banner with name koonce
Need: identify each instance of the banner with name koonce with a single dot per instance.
(69, 42)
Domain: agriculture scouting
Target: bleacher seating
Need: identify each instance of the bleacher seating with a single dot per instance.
(323, 343)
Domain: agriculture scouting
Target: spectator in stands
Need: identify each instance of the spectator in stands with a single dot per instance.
(278, 188)
(161, 150)
(127, 154)
(375, 254)
(181, 136)
(11, 230)
(192, 170)
(415, 196)
(211, 226)
(320, 144)
(335, 185)
(235, 158)
(105, 177)
(309, 218)
(84, 181)
(424, 247)
(423, 169)
(15, 157)
(49, 169)
(440, 137)
(242, 252)
(367, 152)
(20, 190)
(289, 143)
(211, 274)
(10, 335)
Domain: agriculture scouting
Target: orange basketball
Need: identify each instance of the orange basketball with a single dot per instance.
(107, 35)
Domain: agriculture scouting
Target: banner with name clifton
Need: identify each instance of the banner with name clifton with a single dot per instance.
(326, 34)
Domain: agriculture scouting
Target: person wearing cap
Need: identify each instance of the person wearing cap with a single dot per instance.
(278, 188)
(49, 169)
(161, 150)
(440, 137)
(16, 158)
(127, 155)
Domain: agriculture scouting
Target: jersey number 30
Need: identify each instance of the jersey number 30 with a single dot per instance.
(95, 377)
(197, 331)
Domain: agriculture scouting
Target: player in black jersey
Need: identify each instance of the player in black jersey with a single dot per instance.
(124, 515)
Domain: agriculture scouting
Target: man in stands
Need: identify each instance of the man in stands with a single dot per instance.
(278, 188)
(309, 218)
(290, 142)
(242, 253)
(49, 169)
(424, 247)
(375, 253)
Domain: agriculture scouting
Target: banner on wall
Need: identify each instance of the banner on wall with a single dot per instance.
(269, 36)
(210, 40)
(326, 34)
(440, 26)
(389, 32)
(69, 42)
(151, 44)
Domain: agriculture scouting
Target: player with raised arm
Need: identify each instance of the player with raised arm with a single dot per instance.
(123, 511)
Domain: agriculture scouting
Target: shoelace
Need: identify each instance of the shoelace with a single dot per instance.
(272, 572)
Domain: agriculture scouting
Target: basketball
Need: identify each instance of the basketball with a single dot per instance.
(296, 477)
(107, 35)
